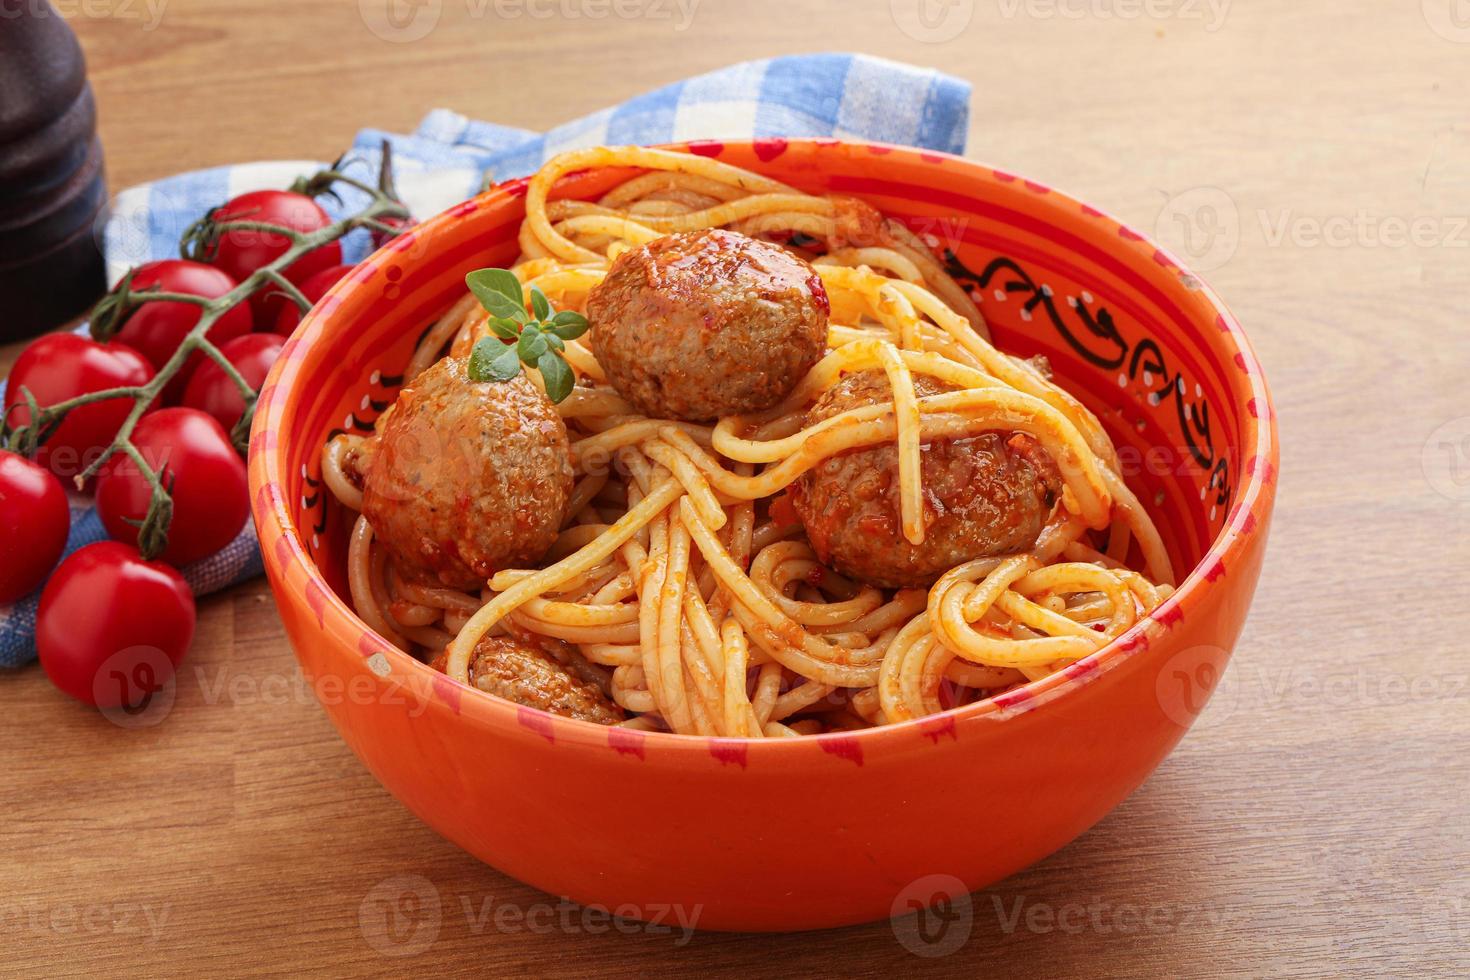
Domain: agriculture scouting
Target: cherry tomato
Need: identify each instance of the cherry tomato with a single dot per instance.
(211, 390)
(206, 476)
(60, 366)
(155, 330)
(381, 238)
(313, 289)
(34, 519)
(111, 627)
(241, 252)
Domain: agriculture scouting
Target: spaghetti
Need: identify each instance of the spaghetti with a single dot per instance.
(679, 583)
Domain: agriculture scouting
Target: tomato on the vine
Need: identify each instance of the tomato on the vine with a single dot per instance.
(313, 289)
(34, 520)
(111, 627)
(213, 392)
(200, 469)
(60, 366)
(241, 251)
(155, 329)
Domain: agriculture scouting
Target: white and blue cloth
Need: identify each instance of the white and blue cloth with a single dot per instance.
(449, 157)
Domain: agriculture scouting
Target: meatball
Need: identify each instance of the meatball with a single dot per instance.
(465, 478)
(519, 671)
(990, 494)
(703, 324)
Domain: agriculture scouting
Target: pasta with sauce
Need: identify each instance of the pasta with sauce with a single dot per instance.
(793, 489)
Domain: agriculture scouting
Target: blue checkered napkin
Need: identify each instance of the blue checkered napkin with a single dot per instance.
(447, 158)
(842, 95)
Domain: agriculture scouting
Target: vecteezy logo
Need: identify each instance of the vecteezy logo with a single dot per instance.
(1446, 459)
(134, 688)
(1450, 19)
(137, 223)
(1447, 912)
(932, 21)
(1187, 681)
(400, 915)
(1457, 902)
(400, 21)
(1202, 225)
(932, 917)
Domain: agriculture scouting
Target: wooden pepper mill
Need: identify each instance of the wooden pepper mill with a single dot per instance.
(51, 179)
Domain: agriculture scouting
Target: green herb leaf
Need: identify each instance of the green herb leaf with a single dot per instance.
(499, 291)
(556, 375)
(505, 329)
(554, 342)
(532, 344)
(540, 305)
(506, 364)
(569, 325)
(493, 361)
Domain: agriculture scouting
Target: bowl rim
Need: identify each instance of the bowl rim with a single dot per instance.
(1259, 456)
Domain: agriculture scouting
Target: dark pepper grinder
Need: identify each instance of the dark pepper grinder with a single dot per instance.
(51, 181)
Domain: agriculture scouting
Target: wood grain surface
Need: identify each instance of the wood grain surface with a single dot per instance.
(1314, 156)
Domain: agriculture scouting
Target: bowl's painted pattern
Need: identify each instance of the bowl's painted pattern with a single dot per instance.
(827, 830)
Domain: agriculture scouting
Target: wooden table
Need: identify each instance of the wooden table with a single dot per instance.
(1315, 822)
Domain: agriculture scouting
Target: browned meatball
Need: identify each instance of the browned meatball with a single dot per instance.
(986, 495)
(704, 324)
(467, 477)
(524, 673)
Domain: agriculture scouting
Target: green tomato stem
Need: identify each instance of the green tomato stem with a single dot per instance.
(212, 351)
(290, 289)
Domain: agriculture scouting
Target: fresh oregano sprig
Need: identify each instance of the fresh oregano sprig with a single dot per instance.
(536, 338)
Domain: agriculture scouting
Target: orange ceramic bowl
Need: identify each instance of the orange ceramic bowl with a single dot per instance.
(833, 829)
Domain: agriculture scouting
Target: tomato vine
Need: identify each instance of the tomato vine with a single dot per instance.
(384, 215)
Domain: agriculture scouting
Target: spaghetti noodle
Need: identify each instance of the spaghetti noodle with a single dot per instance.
(680, 585)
